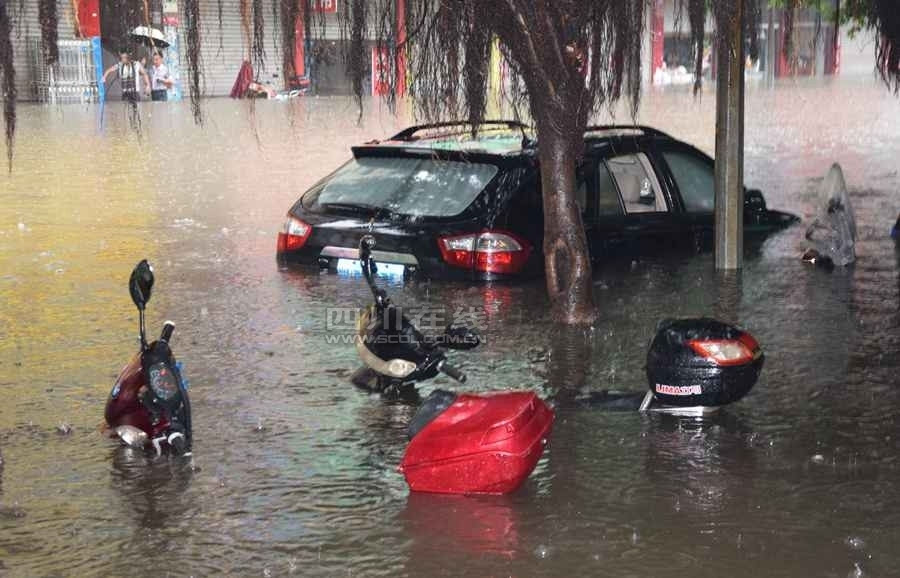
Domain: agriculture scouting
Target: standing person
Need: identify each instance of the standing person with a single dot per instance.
(161, 79)
(129, 74)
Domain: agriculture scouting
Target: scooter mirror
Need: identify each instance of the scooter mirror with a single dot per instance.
(141, 284)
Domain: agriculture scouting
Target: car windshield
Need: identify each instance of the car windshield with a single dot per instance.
(407, 186)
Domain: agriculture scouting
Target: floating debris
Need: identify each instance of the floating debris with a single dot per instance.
(11, 512)
(833, 233)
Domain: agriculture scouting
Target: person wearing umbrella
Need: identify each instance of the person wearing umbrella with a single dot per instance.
(128, 73)
(161, 80)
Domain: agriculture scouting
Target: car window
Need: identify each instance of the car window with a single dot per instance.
(407, 186)
(639, 190)
(695, 180)
(608, 202)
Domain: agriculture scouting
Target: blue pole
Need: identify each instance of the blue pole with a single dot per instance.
(97, 50)
(173, 54)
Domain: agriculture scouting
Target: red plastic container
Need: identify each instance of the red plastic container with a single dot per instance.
(481, 444)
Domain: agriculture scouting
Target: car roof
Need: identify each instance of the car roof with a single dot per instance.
(501, 138)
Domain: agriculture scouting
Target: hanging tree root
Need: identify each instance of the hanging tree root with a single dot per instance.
(7, 81)
(47, 16)
(192, 38)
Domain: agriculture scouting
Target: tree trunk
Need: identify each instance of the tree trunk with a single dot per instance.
(568, 267)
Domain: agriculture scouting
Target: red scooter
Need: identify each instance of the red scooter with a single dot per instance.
(459, 443)
(149, 405)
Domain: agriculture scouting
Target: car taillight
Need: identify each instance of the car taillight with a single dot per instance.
(488, 252)
(294, 235)
(727, 351)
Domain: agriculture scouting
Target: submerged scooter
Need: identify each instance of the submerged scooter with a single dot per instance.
(396, 354)
(459, 443)
(149, 405)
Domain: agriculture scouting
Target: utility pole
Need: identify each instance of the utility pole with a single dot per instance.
(729, 175)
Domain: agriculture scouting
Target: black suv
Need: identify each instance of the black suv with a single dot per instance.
(445, 204)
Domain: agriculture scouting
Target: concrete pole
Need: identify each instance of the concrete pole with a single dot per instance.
(729, 176)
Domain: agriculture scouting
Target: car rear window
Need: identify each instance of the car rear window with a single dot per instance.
(409, 186)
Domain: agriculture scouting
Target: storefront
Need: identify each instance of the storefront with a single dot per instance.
(672, 54)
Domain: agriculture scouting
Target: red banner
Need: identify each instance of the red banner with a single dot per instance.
(381, 71)
(299, 47)
(657, 35)
(400, 66)
(87, 18)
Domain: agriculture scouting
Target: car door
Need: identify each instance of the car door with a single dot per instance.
(634, 210)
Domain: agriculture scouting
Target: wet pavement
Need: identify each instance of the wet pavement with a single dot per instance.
(295, 470)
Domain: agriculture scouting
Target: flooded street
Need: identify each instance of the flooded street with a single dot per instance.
(295, 470)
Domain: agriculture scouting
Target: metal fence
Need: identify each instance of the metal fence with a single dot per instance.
(72, 80)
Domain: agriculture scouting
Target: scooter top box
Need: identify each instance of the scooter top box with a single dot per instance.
(479, 444)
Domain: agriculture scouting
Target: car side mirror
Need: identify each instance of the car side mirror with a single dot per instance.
(141, 284)
(754, 200)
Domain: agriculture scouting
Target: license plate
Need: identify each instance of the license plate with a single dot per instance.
(352, 267)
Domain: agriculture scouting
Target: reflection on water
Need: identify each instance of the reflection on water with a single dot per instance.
(296, 470)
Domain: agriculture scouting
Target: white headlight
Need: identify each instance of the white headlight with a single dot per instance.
(400, 367)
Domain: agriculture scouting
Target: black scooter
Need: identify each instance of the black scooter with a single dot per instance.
(395, 353)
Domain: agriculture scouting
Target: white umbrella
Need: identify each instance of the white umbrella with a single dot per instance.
(150, 36)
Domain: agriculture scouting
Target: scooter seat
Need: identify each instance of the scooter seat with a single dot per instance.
(433, 406)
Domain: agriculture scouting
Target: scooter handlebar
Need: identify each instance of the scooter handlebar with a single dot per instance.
(453, 372)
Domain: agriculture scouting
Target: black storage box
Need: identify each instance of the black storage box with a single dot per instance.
(702, 363)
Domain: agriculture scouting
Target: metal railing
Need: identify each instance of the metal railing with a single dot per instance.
(72, 80)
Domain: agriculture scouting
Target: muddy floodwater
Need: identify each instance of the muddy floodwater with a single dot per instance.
(295, 470)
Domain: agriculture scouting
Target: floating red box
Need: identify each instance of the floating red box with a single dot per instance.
(481, 444)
